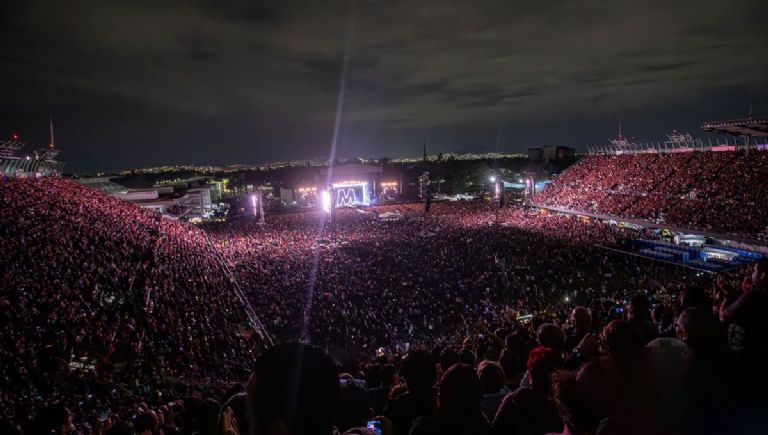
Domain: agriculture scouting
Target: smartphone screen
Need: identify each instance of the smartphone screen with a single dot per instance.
(375, 425)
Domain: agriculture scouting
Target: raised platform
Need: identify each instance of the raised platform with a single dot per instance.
(753, 127)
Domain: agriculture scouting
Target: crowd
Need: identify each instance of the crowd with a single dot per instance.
(96, 292)
(466, 320)
(714, 191)
(372, 282)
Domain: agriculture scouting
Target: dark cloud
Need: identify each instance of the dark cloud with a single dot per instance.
(143, 82)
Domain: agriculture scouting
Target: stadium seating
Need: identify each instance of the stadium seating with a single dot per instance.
(114, 320)
(715, 191)
(116, 280)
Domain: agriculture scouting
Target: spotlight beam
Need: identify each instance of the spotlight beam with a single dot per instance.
(304, 333)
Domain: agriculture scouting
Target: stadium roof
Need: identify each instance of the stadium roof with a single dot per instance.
(755, 127)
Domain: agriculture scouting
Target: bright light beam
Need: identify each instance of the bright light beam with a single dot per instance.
(325, 198)
(253, 204)
(304, 333)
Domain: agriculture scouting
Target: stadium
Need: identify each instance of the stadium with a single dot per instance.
(104, 300)
(367, 217)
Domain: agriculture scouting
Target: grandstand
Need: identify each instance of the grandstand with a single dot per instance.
(716, 189)
(112, 269)
(745, 127)
(111, 316)
(40, 162)
(102, 293)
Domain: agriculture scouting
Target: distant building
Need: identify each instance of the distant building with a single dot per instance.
(548, 153)
(535, 154)
(551, 153)
(138, 195)
(192, 203)
(213, 186)
(565, 153)
(200, 197)
(192, 198)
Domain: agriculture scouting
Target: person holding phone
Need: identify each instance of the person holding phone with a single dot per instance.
(354, 414)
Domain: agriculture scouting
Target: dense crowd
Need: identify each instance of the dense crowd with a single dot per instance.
(466, 320)
(97, 291)
(715, 191)
(372, 282)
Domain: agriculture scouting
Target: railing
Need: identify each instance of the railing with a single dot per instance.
(680, 147)
(253, 318)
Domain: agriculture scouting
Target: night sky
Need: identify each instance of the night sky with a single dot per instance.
(143, 83)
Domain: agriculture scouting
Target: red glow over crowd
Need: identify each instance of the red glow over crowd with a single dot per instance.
(114, 320)
(716, 191)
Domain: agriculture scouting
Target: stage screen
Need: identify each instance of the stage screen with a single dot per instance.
(306, 197)
(350, 195)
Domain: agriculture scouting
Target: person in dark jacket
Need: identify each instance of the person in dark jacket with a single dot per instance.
(458, 411)
(419, 372)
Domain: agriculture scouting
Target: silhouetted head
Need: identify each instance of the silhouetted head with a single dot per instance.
(294, 390)
(448, 357)
(580, 410)
(621, 339)
(542, 362)
(760, 273)
(697, 328)
(419, 370)
(551, 336)
(492, 377)
(460, 392)
(581, 318)
(639, 308)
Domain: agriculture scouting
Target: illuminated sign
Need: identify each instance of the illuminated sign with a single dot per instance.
(350, 194)
(345, 197)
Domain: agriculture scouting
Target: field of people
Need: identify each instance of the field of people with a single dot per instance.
(115, 320)
(425, 280)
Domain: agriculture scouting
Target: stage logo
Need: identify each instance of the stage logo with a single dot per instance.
(346, 197)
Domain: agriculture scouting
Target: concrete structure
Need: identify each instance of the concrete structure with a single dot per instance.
(41, 162)
(175, 199)
(103, 184)
(138, 195)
